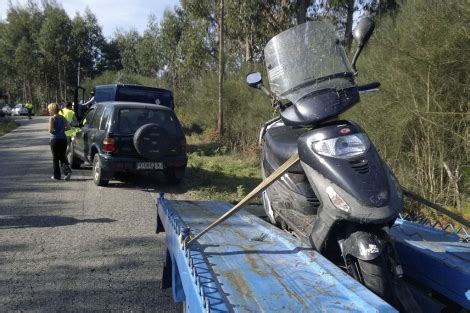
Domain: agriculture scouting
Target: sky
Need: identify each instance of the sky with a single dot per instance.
(111, 14)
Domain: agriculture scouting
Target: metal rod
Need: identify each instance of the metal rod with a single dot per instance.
(262, 186)
(436, 207)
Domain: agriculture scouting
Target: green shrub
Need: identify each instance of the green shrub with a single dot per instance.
(7, 125)
(418, 120)
(245, 109)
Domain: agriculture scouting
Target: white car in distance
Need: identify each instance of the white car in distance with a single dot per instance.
(19, 109)
(7, 109)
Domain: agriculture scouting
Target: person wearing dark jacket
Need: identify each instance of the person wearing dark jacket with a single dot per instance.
(58, 141)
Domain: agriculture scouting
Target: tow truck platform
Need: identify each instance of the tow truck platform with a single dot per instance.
(248, 265)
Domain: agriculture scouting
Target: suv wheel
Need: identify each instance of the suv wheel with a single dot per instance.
(73, 160)
(97, 172)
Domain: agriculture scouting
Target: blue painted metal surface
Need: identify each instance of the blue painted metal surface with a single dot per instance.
(192, 279)
(248, 265)
(435, 258)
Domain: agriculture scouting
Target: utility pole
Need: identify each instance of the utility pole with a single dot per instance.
(220, 115)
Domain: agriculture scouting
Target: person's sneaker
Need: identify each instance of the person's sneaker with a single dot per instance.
(67, 177)
(53, 178)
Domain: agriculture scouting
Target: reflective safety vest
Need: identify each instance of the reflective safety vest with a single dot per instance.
(29, 106)
(69, 116)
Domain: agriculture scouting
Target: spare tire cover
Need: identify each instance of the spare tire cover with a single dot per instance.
(151, 141)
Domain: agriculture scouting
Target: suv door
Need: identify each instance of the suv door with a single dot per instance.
(79, 139)
(89, 137)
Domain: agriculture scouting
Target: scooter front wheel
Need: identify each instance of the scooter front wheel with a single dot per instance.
(375, 275)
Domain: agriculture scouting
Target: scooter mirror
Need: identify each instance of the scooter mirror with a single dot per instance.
(363, 31)
(254, 79)
(361, 34)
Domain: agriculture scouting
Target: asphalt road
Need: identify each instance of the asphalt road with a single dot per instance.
(70, 245)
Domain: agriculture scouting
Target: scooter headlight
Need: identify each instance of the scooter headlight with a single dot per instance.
(342, 147)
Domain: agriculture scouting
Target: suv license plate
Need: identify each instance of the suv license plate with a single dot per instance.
(149, 165)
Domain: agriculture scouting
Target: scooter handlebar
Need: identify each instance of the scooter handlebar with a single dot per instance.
(369, 87)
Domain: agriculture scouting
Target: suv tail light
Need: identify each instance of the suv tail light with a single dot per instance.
(183, 145)
(109, 145)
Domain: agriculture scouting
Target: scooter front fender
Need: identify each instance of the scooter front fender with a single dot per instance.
(362, 245)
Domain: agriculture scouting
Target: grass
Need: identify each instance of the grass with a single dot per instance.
(214, 173)
(466, 210)
(466, 191)
(6, 125)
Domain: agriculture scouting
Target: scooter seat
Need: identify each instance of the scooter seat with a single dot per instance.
(281, 141)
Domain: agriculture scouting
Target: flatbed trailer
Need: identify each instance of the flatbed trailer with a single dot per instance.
(436, 261)
(248, 265)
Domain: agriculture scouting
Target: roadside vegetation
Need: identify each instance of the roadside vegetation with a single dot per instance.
(6, 125)
(216, 172)
(419, 120)
(419, 52)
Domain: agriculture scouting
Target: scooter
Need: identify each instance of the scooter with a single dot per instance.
(341, 198)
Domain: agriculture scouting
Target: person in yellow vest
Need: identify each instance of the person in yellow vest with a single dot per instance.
(29, 106)
(69, 114)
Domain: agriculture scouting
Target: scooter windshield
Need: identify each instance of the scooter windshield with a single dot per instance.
(306, 58)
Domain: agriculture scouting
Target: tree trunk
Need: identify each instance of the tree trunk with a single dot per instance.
(248, 48)
(349, 23)
(284, 18)
(220, 123)
(30, 93)
(59, 93)
(65, 84)
(454, 182)
(302, 6)
(78, 74)
(25, 96)
(47, 89)
(386, 6)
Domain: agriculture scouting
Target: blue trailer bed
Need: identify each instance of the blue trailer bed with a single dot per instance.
(248, 265)
(436, 259)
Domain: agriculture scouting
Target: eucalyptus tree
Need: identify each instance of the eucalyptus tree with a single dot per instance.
(246, 27)
(344, 12)
(172, 27)
(86, 45)
(128, 43)
(54, 43)
(110, 59)
(148, 54)
(25, 67)
(19, 53)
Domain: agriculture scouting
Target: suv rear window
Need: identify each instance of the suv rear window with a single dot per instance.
(145, 96)
(103, 94)
(129, 120)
